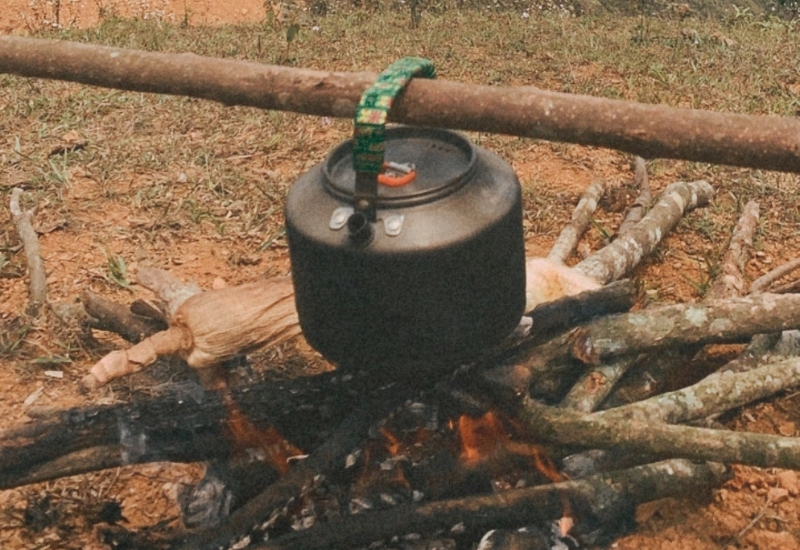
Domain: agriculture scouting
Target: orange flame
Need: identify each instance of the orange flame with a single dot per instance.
(480, 437)
(245, 435)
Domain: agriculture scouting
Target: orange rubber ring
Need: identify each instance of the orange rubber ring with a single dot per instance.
(397, 181)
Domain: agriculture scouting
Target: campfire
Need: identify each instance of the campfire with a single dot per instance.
(550, 438)
(503, 451)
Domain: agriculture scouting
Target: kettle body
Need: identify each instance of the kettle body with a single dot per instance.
(438, 275)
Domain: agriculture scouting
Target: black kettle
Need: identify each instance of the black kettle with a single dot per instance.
(438, 274)
(406, 243)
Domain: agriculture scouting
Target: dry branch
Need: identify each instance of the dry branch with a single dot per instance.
(211, 327)
(717, 321)
(568, 239)
(715, 394)
(621, 256)
(730, 281)
(648, 130)
(654, 439)
(657, 370)
(33, 253)
(509, 509)
(762, 283)
(116, 318)
(640, 206)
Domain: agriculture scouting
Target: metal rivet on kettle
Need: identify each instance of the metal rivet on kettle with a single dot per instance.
(340, 216)
(393, 224)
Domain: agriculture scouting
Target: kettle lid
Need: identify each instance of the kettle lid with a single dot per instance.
(442, 162)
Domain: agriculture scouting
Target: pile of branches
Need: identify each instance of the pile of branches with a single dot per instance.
(581, 373)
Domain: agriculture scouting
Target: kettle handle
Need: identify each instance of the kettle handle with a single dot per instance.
(370, 127)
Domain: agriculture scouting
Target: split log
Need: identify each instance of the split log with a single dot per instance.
(595, 495)
(622, 255)
(642, 202)
(652, 131)
(33, 253)
(568, 238)
(656, 440)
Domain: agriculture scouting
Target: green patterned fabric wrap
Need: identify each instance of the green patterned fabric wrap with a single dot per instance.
(373, 110)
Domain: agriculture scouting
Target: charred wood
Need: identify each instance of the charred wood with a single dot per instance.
(597, 497)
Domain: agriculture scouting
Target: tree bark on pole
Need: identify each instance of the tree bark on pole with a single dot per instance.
(650, 131)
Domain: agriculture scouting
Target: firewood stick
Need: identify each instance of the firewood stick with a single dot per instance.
(762, 283)
(33, 253)
(114, 317)
(621, 256)
(655, 372)
(642, 202)
(509, 509)
(568, 239)
(658, 440)
(717, 321)
(594, 386)
(182, 426)
(730, 281)
(652, 131)
(715, 394)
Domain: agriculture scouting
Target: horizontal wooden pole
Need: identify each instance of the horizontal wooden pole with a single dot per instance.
(651, 131)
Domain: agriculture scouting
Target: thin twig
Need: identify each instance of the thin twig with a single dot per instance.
(762, 283)
(33, 253)
(639, 207)
(568, 239)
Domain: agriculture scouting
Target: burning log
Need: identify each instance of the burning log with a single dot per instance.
(183, 426)
(648, 130)
(250, 519)
(594, 496)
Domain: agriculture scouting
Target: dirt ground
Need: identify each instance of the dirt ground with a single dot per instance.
(756, 509)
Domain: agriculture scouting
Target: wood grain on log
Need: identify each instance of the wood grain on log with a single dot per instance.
(651, 131)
